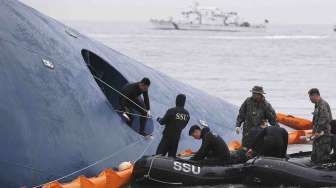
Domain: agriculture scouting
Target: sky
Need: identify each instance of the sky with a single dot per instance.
(277, 11)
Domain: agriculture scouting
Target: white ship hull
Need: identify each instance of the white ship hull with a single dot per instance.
(170, 25)
(164, 25)
(228, 28)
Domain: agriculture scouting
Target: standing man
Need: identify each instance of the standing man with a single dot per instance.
(252, 112)
(131, 101)
(321, 127)
(175, 120)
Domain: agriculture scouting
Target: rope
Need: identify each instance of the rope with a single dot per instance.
(96, 163)
(156, 180)
(110, 156)
(134, 114)
(144, 151)
(101, 160)
(117, 91)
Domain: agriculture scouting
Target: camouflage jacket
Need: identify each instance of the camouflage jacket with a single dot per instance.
(322, 117)
(252, 113)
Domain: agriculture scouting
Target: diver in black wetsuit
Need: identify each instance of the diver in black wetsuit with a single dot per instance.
(213, 150)
(333, 140)
(133, 92)
(175, 120)
(271, 141)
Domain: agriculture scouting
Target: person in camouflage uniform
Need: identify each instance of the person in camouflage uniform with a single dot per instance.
(321, 128)
(252, 112)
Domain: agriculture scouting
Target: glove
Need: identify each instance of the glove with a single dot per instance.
(203, 123)
(126, 116)
(237, 130)
(158, 119)
(148, 113)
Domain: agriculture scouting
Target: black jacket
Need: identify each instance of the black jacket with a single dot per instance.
(272, 137)
(175, 119)
(213, 144)
(252, 136)
(132, 91)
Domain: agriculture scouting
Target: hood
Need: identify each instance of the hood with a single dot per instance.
(204, 131)
(180, 100)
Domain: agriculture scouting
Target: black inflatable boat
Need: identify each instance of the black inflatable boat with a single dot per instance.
(292, 172)
(265, 171)
(178, 171)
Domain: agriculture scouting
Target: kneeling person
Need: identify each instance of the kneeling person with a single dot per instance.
(213, 150)
(175, 120)
(271, 141)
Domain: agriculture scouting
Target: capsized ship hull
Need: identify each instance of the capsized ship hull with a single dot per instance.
(56, 119)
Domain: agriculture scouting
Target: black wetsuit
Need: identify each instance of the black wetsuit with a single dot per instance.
(213, 151)
(175, 120)
(272, 141)
(133, 92)
(333, 138)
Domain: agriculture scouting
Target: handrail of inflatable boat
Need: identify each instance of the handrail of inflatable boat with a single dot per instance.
(156, 180)
(300, 154)
(292, 155)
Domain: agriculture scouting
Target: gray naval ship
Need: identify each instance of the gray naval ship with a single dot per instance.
(58, 99)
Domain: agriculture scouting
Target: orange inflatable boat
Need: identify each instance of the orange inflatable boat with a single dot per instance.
(294, 122)
(234, 145)
(298, 136)
(294, 137)
(107, 179)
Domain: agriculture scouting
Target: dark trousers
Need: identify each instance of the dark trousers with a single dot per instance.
(128, 106)
(167, 146)
(247, 139)
(322, 147)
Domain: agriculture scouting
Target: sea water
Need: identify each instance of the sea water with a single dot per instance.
(287, 60)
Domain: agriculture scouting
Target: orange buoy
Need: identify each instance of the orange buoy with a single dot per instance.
(107, 179)
(186, 153)
(294, 122)
(234, 145)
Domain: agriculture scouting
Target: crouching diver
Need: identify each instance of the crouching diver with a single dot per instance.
(333, 139)
(213, 150)
(131, 101)
(175, 120)
(271, 141)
